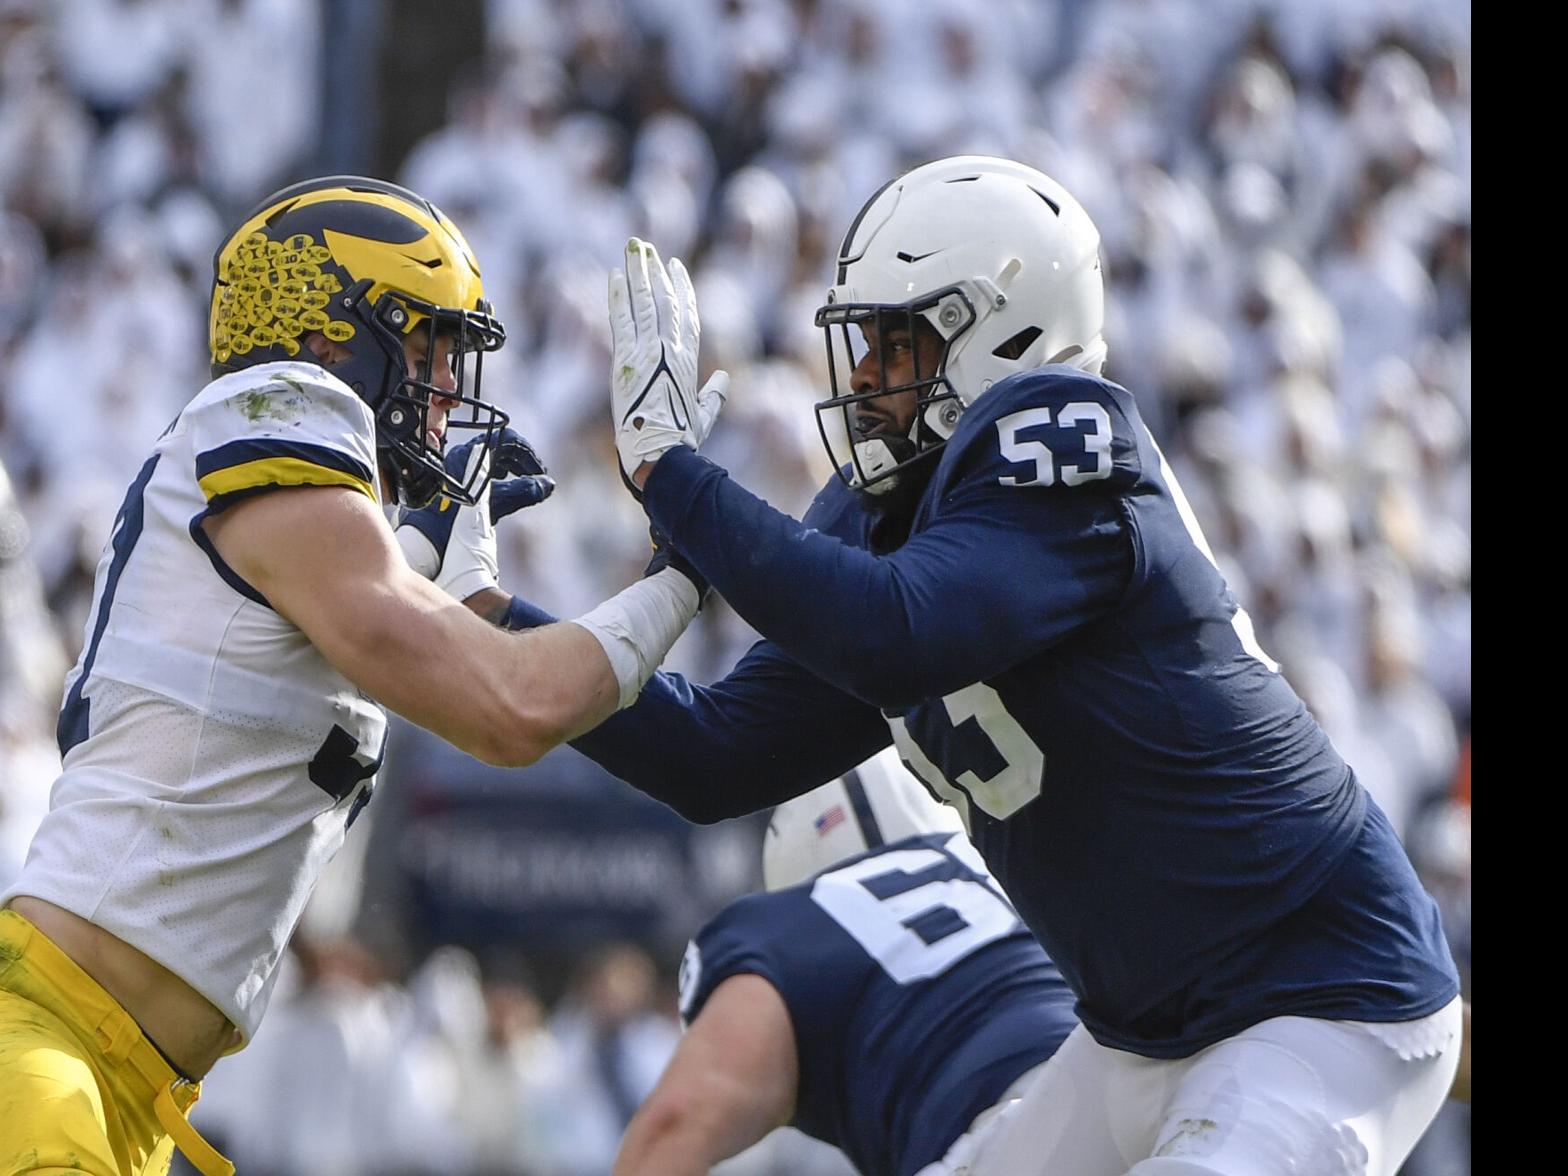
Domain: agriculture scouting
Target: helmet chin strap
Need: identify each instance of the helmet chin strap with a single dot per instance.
(877, 455)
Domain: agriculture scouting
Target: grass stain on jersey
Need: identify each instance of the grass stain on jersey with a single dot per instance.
(274, 402)
(1188, 1133)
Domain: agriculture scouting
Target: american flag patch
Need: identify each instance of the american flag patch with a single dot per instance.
(829, 820)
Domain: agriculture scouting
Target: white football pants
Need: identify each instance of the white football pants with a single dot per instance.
(1291, 1096)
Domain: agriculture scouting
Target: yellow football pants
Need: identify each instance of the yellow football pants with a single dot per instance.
(81, 1088)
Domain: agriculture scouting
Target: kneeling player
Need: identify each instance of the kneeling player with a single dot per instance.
(884, 1001)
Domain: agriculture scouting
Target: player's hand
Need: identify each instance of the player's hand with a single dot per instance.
(665, 556)
(454, 546)
(654, 331)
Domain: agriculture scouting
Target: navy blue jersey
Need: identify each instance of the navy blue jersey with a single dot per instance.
(916, 995)
(1054, 650)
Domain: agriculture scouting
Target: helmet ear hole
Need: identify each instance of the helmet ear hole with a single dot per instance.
(1015, 347)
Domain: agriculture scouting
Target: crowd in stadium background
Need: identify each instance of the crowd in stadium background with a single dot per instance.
(1283, 192)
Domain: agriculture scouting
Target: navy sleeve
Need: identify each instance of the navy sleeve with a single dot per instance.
(766, 732)
(523, 614)
(728, 946)
(998, 574)
(769, 731)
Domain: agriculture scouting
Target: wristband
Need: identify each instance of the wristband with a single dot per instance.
(637, 626)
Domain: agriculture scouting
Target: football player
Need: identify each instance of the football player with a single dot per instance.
(253, 613)
(881, 996)
(1006, 582)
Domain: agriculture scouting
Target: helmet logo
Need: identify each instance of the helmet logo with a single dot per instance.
(271, 293)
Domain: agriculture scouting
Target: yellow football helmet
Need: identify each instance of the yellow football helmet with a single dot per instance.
(365, 263)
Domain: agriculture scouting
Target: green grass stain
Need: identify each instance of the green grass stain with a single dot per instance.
(256, 404)
(282, 401)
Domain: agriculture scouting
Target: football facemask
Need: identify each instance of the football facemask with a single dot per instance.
(853, 330)
(410, 454)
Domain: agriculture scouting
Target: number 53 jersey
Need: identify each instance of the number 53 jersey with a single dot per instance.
(916, 995)
(1053, 650)
(212, 758)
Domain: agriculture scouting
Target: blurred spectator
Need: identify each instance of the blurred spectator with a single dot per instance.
(32, 663)
(46, 139)
(1400, 711)
(23, 268)
(115, 53)
(615, 1039)
(513, 1087)
(240, 51)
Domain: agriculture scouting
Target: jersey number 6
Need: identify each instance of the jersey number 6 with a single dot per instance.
(914, 927)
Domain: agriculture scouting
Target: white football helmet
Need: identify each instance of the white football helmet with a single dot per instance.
(872, 805)
(997, 257)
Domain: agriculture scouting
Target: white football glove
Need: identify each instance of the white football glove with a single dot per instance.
(654, 331)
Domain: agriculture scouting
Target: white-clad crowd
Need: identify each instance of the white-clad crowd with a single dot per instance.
(1283, 192)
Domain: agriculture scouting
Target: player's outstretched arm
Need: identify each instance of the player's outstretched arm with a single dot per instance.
(723, 750)
(865, 622)
(324, 558)
(732, 1081)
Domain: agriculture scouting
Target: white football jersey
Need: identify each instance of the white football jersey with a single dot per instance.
(212, 758)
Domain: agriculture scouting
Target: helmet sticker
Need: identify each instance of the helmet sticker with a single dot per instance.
(276, 291)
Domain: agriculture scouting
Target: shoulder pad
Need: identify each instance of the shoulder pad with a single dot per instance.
(1054, 426)
(281, 424)
(1054, 385)
(741, 938)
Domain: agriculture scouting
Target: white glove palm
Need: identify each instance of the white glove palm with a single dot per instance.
(654, 332)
